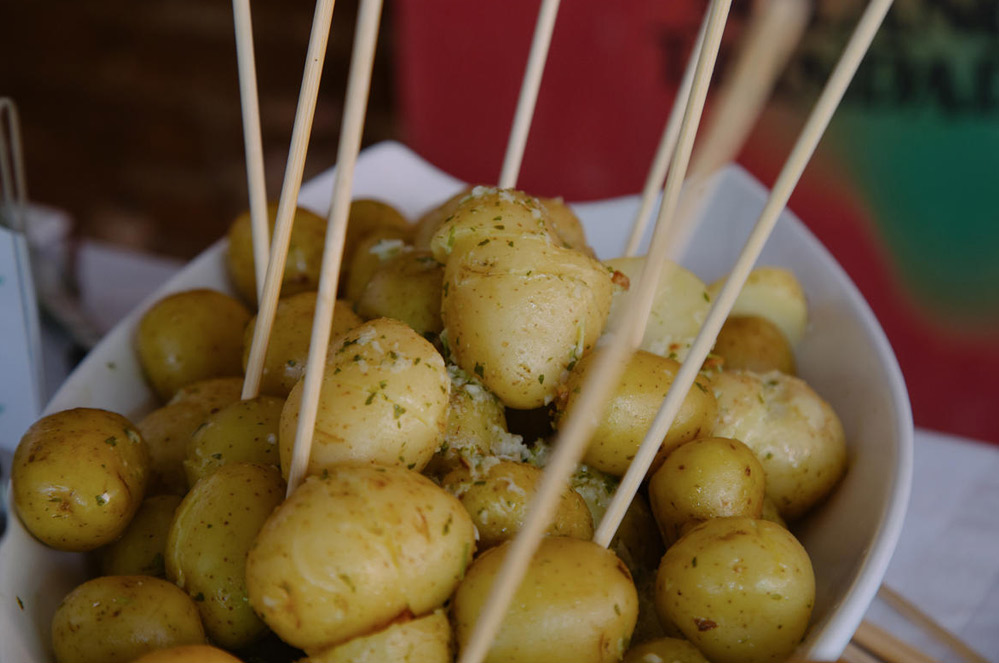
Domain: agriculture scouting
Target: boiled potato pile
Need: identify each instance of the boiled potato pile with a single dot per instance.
(490, 305)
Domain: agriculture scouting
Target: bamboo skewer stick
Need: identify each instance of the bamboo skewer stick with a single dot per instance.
(358, 84)
(287, 202)
(571, 441)
(253, 146)
(886, 646)
(854, 654)
(528, 94)
(800, 155)
(911, 612)
(667, 146)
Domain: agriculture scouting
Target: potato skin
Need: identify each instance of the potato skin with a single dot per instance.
(496, 497)
(115, 619)
(423, 640)
(353, 549)
(707, 478)
(305, 254)
(576, 603)
(795, 435)
(366, 217)
(634, 405)
(673, 650)
(78, 477)
(190, 336)
(740, 589)
(567, 226)
(408, 288)
(753, 343)
(383, 400)
(288, 347)
(245, 431)
(211, 534)
(188, 654)
(139, 551)
(773, 293)
(431, 220)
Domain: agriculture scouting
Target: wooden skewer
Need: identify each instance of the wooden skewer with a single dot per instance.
(883, 644)
(579, 427)
(288, 200)
(12, 179)
(358, 85)
(772, 36)
(803, 149)
(251, 139)
(911, 612)
(528, 93)
(854, 654)
(667, 146)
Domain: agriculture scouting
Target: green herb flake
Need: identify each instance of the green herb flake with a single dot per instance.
(617, 609)
(480, 369)
(20, 603)
(707, 298)
(325, 474)
(759, 397)
(393, 355)
(382, 384)
(416, 362)
(447, 287)
(292, 363)
(541, 379)
(510, 243)
(398, 410)
(484, 242)
(357, 358)
(101, 500)
(769, 455)
(217, 456)
(498, 218)
(370, 398)
(113, 441)
(447, 525)
(701, 387)
(480, 482)
(336, 370)
(200, 596)
(693, 562)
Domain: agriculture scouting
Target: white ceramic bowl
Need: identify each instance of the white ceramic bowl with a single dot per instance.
(845, 357)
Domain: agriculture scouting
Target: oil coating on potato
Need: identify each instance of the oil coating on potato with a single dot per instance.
(211, 534)
(288, 346)
(210, 395)
(353, 549)
(577, 604)
(773, 293)
(305, 254)
(633, 407)
(680, 304)
(708, 478)
(408, 288)
(368, 216)
(496, 494)
(246, 431)
(753, 343)
(139, 551)
(115, 619)
(190, 336)
(78, 476)
(740, 589)
(383, 399)
(423, 640)
(795, 435)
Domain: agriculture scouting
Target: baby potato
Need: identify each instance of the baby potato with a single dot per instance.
(288, 346)
(210, 395)
(680, 304)
(212, 531)
(576, 603)
(408, 288)
(190, 336)
(773, 293)
(78, 477)
(367, 216)
(353, 549)
(795, 435)
(167, 431)
(188, 654)
(115, 619)
(517, 313)
(496, 495)
(741, 590)
(476, 422)
(663, 650)
(771, 513)
(487, 213)
(708, 478)
(634, 405)
(567, 226)
(383, 400)
(139, 551)
(753, 343)
(246, 431)
(371, 253)
(423, 640)
(427, 225)
(305, 254)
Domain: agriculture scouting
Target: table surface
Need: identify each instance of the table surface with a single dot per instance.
(947, 560)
